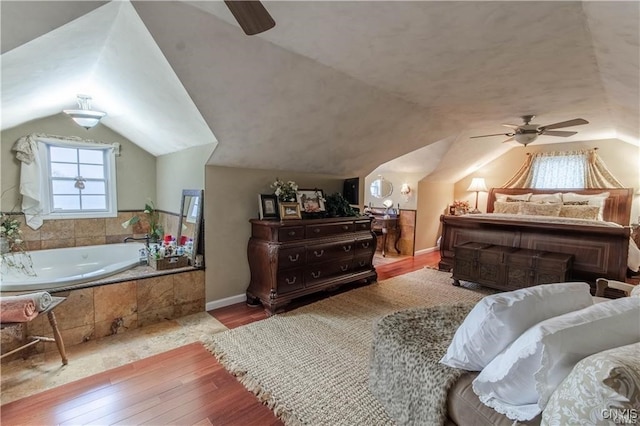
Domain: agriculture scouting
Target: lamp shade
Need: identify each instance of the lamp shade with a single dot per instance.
(84, 116)
(477, 185)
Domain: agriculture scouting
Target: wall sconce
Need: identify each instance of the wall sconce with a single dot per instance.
(405, 190)
(477, 185)
(84, 116)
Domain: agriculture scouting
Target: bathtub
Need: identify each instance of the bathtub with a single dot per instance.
(60, 268)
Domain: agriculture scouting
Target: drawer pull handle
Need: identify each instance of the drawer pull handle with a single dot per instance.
(291, 233)
(290, 282)
(365, 245)
(318, 253)
(316, 230)
(315, 274)
(345, 227)
(294, 259)
(344, 268)
(362, 263)
(346, 249)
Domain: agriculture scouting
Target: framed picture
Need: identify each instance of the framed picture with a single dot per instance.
(268, 206)
(290, 211)
(311, 200)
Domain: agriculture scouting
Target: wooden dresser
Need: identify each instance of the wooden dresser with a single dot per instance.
(289, 259)
(509, 268)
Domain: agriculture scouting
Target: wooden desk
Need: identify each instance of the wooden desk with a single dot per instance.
(382, 225)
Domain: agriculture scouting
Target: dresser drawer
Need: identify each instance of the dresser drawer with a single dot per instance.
(317, 273)
(291, 257)
(363, 225)
(325, 230)
(360, 263)
(291, 233)
(365, 246)
(290, 280)
(323, 252)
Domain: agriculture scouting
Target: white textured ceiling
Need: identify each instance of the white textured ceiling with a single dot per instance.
(335, 87)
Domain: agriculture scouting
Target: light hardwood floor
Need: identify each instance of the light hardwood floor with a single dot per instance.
(185, 386)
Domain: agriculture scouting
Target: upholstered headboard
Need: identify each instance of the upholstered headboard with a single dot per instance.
(617, 207)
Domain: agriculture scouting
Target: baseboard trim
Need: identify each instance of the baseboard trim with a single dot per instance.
(427, 250)
(221, 303)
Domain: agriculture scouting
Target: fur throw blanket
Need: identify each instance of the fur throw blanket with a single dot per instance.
(405, 373)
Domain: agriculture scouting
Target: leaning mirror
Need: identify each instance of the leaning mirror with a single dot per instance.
(190, 223)
(381, 188)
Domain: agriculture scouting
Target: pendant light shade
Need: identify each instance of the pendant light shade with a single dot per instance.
(84, 116)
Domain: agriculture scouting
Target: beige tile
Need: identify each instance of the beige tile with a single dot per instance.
(113, 225)
(77, 310)
(115, 239)
(116, 325)
(89, 228)
(28, 234)
(61, 229)
(58, 243)
(34, 245)
(70, 337)
(188, 287)
(154, 316)
(12, 337)
(114, 301)
(90, 241)
(36, 327)
(189, 308)
(154, 293)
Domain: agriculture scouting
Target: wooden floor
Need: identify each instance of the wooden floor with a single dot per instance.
(185, 386)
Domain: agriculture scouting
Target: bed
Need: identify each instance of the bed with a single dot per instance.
(600, 248)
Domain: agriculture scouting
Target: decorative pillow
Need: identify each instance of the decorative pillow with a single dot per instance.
(592, 199)
(576, 203)
(506, 207)
(546, 198)
(600, 389)
(520, 380)
(552, 209)
(635, 292)
(520, 197)
(499, 319)
(580, 212)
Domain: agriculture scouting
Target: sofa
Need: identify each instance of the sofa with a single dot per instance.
(507, 361)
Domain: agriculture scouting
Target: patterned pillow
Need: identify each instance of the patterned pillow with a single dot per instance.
(521, 197)
(593, 200)
(546, 198)
(580, 212)
(600, 389)
(506, 207)
(576, 203)
(551, 209)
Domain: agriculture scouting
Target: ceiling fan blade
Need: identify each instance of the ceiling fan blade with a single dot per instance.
(495, 134)
(511, 126)
(509, 140)
(251, 15)
(568, 123)
(560, 133)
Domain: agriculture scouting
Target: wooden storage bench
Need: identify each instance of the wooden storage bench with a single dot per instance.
(508, 268)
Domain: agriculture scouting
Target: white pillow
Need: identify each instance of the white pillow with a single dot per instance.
(520, 197)
(593, 199)
(520, 380)
(499, 319)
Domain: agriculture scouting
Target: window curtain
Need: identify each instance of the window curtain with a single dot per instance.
(563, 169)
(33, 169)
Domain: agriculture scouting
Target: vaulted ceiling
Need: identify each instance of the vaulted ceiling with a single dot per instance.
(335, 87)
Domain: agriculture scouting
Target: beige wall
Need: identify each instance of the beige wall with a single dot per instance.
(135, 168)
(178, 171)
(622, 159)
(231, 199)
(433, 200)
(396, 179)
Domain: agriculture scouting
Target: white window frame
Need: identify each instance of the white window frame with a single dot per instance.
(46, 200)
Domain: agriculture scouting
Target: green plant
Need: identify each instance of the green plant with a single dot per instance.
(285, 191)
(337, 206)
(152, 217)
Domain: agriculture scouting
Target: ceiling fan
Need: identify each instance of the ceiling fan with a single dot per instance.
(251, 15)
(527, 133)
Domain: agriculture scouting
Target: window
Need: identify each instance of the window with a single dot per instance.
(79, 181)
(559, 171)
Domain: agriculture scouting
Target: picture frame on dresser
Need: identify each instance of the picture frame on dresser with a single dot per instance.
(268, 206)
(290, 210)
(311, 200)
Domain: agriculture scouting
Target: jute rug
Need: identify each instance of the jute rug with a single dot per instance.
(311, 365)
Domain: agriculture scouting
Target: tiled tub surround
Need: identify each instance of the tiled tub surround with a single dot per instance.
(59, 233)
(142, 296)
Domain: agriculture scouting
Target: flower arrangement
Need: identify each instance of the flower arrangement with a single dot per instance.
(12, 248)
(285, 191)
(152, 217)
(461, 206)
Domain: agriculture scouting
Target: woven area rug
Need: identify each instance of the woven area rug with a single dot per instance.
(311, 365)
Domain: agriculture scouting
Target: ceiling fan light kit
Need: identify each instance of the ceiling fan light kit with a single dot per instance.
(85, 116)
(526, 133)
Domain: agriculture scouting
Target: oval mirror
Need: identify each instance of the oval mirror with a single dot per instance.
(381, 188)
